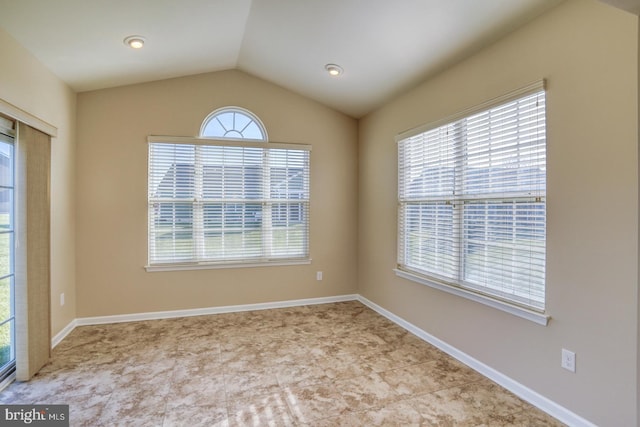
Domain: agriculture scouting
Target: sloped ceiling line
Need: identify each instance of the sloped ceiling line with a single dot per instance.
(384, 47)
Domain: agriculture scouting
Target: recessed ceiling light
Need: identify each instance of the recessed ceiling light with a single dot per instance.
(135, 42)
(333, 69)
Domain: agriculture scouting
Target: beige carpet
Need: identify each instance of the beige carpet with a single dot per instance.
(325, 365)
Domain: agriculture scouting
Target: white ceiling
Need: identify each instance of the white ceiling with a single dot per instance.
(384, 46)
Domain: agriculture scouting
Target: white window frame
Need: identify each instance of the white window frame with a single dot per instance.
(268, 256)
(453, 284)
(234, 128)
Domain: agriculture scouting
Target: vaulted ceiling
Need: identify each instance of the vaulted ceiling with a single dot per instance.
(383, 46)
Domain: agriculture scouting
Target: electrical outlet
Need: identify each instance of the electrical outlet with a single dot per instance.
(568, 360)
(62, 299)
(319, 275)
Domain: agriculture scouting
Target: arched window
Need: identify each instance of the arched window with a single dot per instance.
(233, 123)
(228, 197)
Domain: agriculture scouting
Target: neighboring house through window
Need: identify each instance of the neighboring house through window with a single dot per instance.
(229, 197)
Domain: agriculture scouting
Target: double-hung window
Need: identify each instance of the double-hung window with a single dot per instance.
(227, 201)
(472, 202)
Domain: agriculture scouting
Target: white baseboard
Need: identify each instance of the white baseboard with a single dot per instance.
(525, 393)
(209, 310)
(136, 317)
(518, 389)
(57, 338)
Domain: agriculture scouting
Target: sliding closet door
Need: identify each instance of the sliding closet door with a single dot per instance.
(33, 329)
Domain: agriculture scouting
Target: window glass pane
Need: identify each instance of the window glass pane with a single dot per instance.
(252, 131)
(178, 182)
(505, 248)
(288, 215)
(241, 122)
(6, 253)
(505, 148)
(214, 128)
(289, 222)
(233, 123)
(6, 206)
(172, 171)
(428, 164)
(172, 231)
(6, 338)
(6, 311)
(226, 120)
(288, 174)
(232, 172)
(233, 230)
(213, 183)
(213, 218)
(6, 164)
(430, 238)
(168, 215)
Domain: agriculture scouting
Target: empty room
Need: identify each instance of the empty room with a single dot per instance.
(319, 212)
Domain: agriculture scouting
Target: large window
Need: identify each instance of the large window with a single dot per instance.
(472, 205)
(216, 201)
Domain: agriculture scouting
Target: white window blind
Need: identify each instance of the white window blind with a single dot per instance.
(472, 200)
(227, 201)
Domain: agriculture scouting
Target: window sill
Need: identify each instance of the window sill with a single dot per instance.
(539, 318)
(215, 266)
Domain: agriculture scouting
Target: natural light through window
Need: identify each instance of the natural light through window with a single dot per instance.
(472, 201)
(229, 200)
(233, 123)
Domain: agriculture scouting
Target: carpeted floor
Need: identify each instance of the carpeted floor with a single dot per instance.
(325, 365)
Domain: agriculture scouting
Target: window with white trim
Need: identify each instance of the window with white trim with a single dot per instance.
(220, 202)
(233, 123)
(472, 200)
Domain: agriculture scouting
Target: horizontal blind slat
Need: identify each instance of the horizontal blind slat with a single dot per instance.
(227, 203)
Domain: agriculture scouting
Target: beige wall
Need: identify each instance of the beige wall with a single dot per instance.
(28, 85)
(588, 53)
(113, 125)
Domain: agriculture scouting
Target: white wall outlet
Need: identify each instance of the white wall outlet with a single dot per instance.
(568, 360)
(319, 275)
(62, 299)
